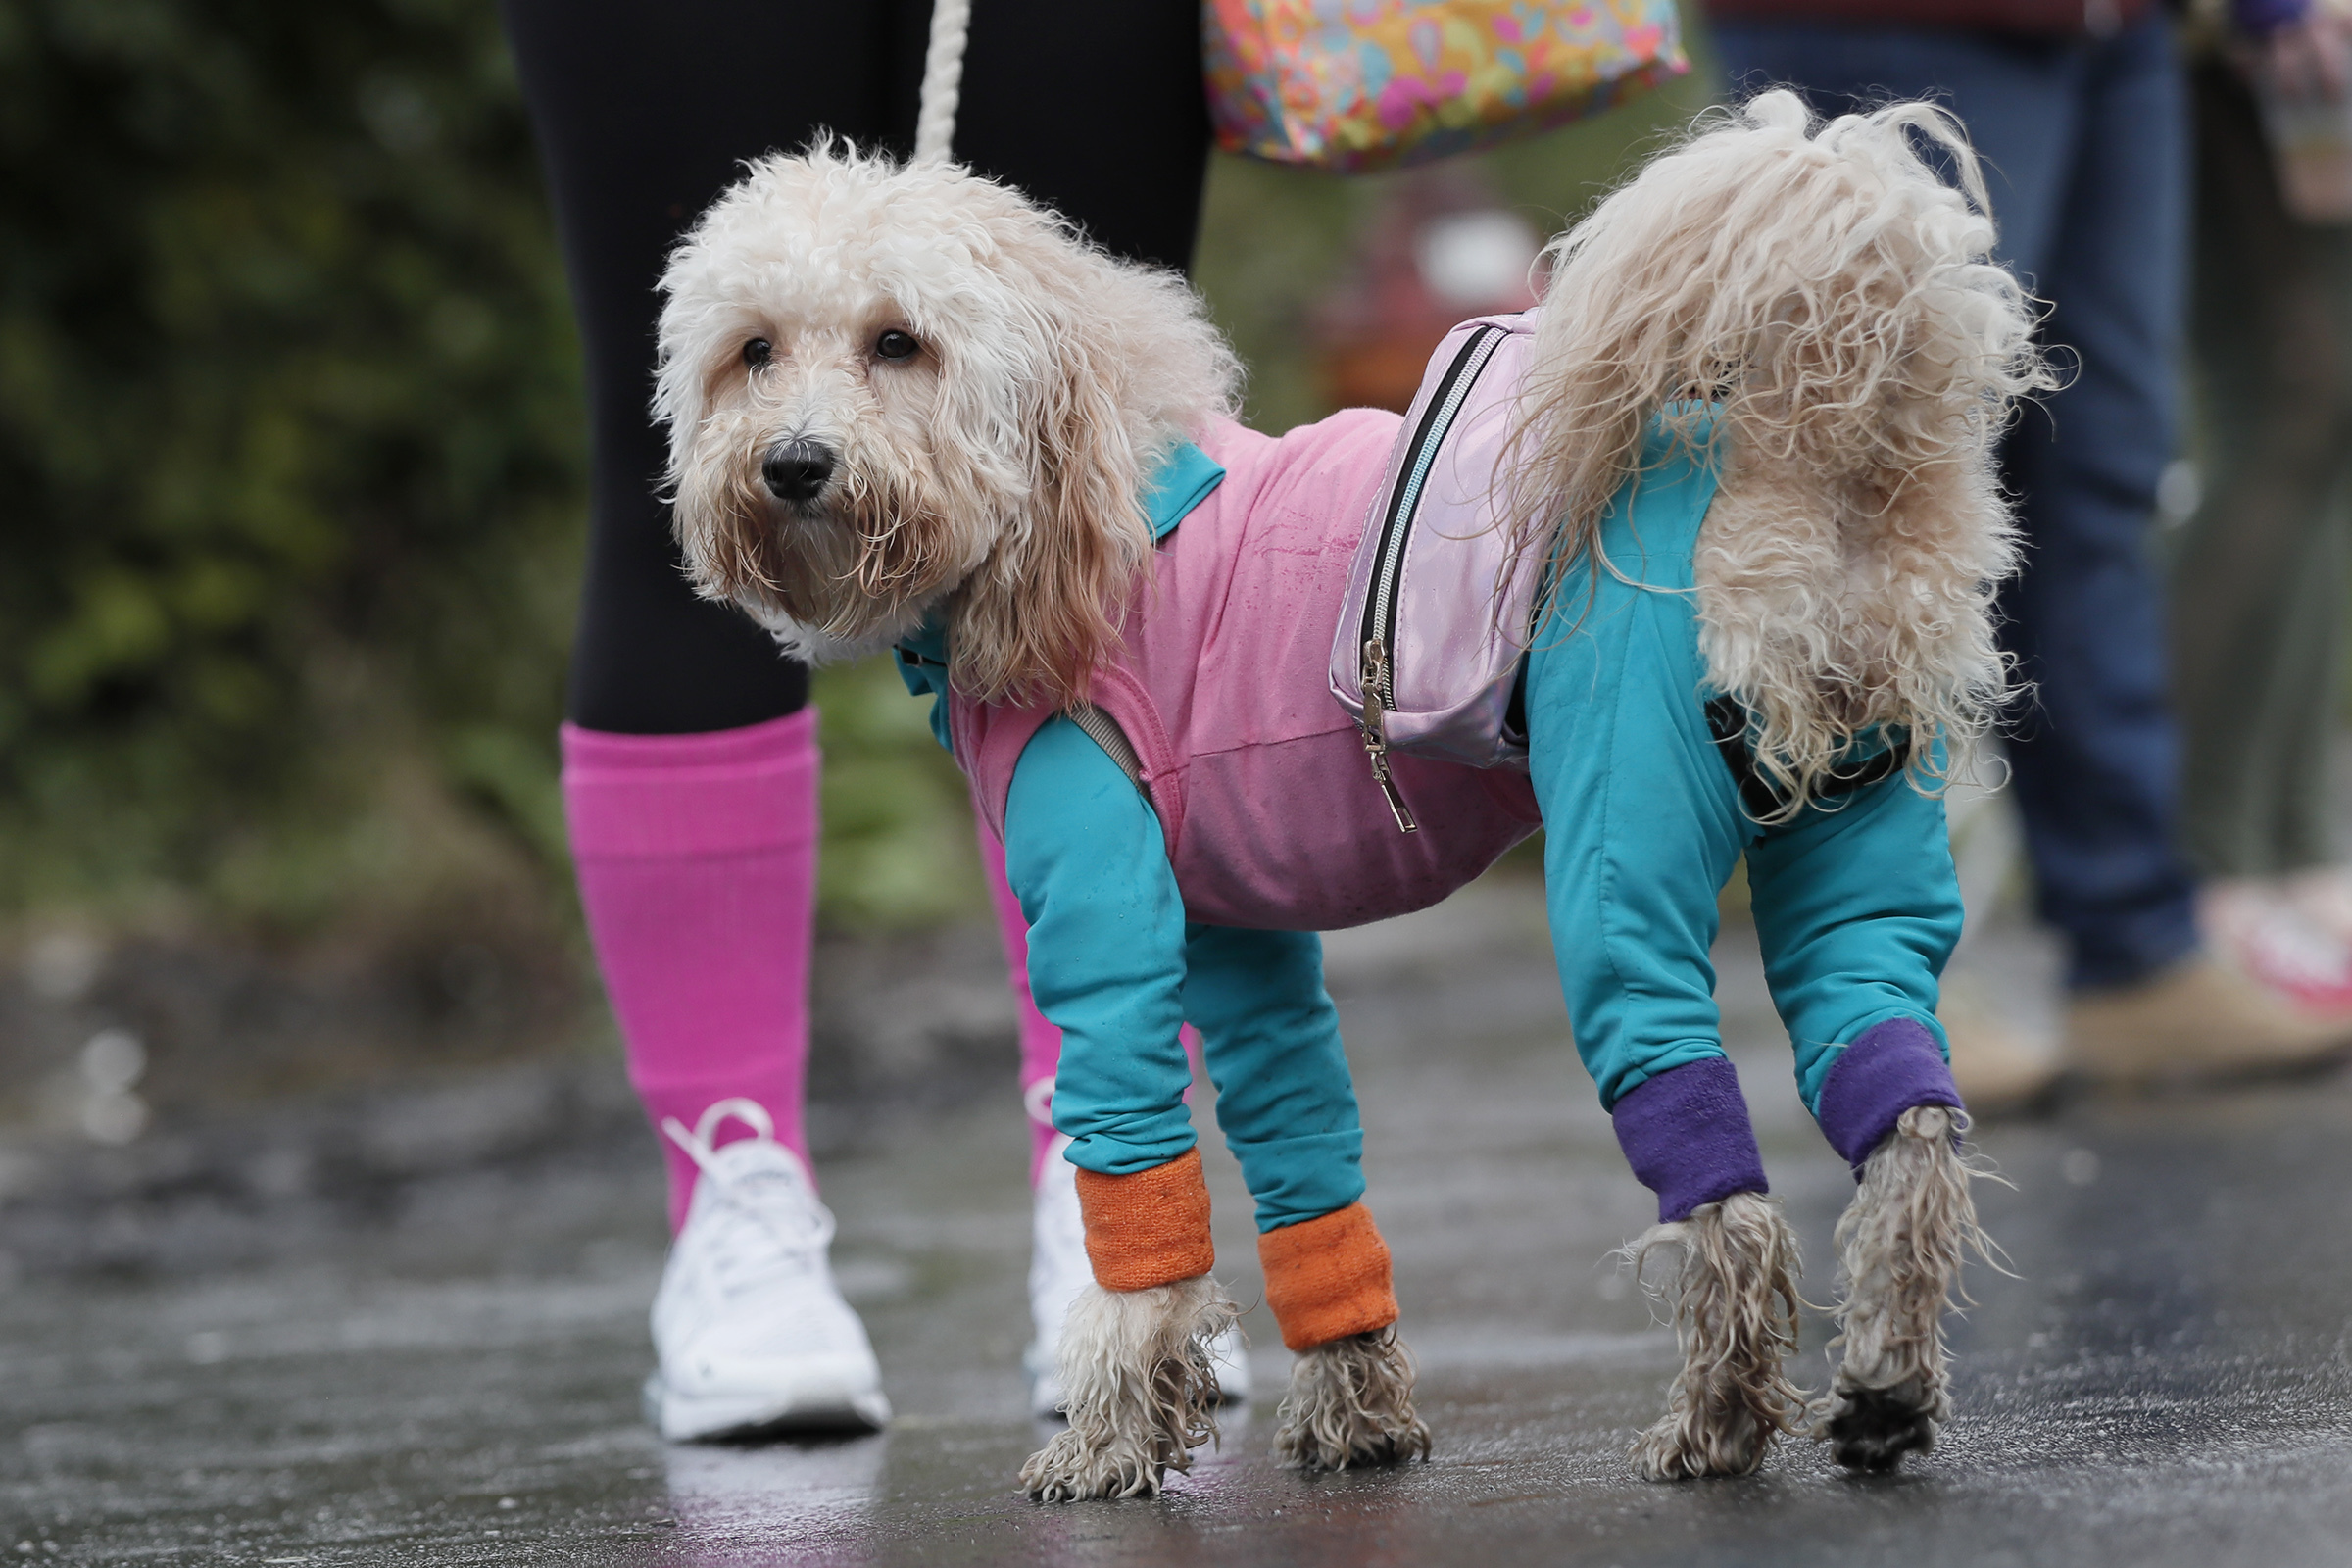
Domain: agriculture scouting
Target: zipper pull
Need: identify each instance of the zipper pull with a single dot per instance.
(1376, 732)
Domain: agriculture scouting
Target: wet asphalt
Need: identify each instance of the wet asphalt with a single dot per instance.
(2166, 1380)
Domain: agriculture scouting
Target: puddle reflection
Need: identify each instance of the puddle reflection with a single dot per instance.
(780, 1489)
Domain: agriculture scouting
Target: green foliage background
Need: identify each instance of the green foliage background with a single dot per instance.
(290, 451)
(291, 468)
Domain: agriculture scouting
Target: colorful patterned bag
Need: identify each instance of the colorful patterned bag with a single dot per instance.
(1349, 85)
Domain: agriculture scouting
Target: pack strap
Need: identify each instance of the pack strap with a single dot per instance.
(1103, 731)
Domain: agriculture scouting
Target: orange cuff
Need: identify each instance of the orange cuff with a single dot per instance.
(1328, 1278)
(1150, 1228)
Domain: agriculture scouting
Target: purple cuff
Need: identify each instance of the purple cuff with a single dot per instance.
(2259, 17)
(1889, 1068)
(1686, 1133)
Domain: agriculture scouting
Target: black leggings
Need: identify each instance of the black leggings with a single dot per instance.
(645, 111)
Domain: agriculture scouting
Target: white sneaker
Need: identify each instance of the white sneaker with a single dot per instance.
(751, 1332)
(1058, 1270)
(2275, 933)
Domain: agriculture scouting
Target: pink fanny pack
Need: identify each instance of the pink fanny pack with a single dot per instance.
(1430, 635)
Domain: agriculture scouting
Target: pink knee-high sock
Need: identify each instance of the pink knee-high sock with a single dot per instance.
(1041, 1042)
(697, 860)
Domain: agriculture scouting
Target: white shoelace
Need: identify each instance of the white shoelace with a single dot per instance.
(768, 1221)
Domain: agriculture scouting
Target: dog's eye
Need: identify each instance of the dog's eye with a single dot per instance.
(896, 345)
(756, 351)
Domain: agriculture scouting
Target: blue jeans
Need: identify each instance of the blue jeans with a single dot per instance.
(2086, 161)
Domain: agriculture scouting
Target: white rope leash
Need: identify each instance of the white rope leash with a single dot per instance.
(942, 80)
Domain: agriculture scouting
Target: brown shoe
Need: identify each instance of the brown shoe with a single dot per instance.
(2196, 1021)
(1998, 1071)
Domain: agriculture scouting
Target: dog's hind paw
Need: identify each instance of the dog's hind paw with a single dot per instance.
(1900, 1244)
(1733, 1298)
(1872, 1428)
(1682, 1449)
(1070, 1468)
(1350, 1401)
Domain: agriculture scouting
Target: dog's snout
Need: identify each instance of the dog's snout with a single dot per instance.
(796, 471)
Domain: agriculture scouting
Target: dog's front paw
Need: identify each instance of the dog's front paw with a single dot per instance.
(1872, 1428)
(1138, 1386)
(1350, 1401)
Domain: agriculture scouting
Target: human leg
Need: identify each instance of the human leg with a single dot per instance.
(696, 859)
(690, 758)
(2259, 570)
(2097, 764)
(2096, 761)
(1033, 76)
(645, 114)
(691, 768)
(1033, 70)
(1041, 1042)
(2084, 165)
(1095, 110)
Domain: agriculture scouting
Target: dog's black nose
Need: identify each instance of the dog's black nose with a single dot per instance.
(797, 470)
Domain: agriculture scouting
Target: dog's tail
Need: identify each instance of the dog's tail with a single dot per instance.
(1816, 306)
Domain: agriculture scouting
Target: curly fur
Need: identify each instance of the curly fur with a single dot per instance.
(1900, 1244)
(995, 472)
(1139, 1388)
(1833, 299)
(1350, 1401)
(1733, 1303)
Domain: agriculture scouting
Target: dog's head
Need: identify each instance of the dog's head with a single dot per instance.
(894, 388)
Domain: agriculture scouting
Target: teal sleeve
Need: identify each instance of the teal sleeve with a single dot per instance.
(1085, 854)
(1857, 908)
(1641, 819)
(1284, 1100)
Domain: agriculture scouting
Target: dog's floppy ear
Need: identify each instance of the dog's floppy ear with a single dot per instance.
(1043, 612)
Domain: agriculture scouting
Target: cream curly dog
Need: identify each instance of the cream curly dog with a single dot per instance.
(1748, 456)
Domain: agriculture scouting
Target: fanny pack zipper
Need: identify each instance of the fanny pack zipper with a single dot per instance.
(1379, 630)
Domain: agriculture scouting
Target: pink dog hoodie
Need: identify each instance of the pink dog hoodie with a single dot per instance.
(1258, 775)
